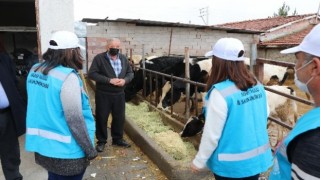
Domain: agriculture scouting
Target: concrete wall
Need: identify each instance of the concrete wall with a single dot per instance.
(274, 54)
(54, 15)
(156, 39)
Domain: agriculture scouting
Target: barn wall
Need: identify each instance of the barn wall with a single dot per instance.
(156, 40)
(274, 54)
(54, 15)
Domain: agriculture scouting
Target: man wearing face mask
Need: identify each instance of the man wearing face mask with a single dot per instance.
(298, 157)
(112, 71)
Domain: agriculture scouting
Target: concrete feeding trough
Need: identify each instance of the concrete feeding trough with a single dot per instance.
(172, 168)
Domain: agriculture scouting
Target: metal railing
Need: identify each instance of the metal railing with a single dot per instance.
(171, 78)
(259, 67)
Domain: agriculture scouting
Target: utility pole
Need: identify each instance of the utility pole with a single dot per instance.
(204, 12)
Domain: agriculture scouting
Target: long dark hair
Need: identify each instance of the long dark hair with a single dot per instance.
(66, 57)
(235, 71)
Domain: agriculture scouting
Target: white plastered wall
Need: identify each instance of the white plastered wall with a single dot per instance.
(54, 15)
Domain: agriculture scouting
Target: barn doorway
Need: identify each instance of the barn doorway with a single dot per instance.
(18, 34)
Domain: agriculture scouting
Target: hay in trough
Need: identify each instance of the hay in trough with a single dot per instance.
(149, 121)
(171, 142)
(163, 135)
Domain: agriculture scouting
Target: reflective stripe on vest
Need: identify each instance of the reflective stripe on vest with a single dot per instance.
(53, 72)
(58, 74)
(228, 91)
(245, 155)
(48, 135)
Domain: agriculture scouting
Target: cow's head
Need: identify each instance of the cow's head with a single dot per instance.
(166, 102)
(193, 126)
(178, 88)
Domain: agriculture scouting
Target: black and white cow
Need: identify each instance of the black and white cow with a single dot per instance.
(161, 64)
(199, 72)
(193, 126)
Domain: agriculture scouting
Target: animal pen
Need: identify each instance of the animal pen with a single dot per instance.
(153, 99)
(172, 168)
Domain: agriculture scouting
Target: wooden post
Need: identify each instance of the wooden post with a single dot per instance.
(259, 68)
(170, 42)
(38, 30)
(187, 76)
(143, 72)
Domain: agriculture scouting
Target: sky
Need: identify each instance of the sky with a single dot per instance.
(189, 11)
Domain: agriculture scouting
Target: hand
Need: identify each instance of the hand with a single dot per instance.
(114, 81)
(117, 82)
(121, 82)
(194, 169)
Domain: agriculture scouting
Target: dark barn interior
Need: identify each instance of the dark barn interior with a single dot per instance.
(18, 34)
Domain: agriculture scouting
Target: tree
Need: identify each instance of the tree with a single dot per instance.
(282, 11)
(295, 12)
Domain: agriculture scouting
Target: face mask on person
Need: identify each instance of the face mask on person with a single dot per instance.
(113, 51)
(302, 86)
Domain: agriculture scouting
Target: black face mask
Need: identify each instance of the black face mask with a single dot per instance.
(113, 51)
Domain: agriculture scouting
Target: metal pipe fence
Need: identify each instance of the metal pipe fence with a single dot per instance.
(260, 63)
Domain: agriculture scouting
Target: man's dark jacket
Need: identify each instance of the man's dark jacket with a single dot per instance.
(10, 85)
(102, 72)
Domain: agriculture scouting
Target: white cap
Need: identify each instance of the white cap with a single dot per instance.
(230, 49)
(310, 44)
(64, 40)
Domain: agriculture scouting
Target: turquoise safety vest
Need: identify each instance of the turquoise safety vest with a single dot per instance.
(47, 130)
(243, 149)
(281, 169)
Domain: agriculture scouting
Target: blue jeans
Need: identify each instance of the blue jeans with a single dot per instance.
(53, 176)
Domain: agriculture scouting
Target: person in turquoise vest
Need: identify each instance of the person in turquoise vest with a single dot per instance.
(297, 156)
(60, 124)
(234, 143)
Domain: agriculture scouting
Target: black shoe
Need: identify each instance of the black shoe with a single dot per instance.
(121, 143)
(100, 147)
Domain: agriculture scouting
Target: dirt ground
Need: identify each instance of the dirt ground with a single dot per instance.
(117, 163)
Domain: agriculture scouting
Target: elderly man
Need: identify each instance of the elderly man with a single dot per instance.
(297, 157)
(112, 71)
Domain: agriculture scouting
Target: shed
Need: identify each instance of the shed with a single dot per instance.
(161, 38)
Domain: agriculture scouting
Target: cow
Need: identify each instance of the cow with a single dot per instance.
(275, 75)
(161, 64)
(193, 126)
(199, 72)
